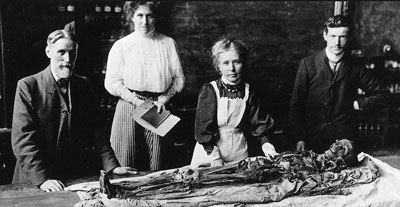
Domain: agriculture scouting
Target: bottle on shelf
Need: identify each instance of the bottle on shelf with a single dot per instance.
(61, 8)
(70, 8)
(107, 8)
(378, 129)
(360, 128)
(102, 102)
(97, 8)
(117, 9)
(360, 92)
(391, 60)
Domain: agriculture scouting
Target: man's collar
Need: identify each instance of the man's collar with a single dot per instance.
(332, 57)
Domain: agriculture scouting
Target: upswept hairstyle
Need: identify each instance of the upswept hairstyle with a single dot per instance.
(131, 6)
(59, 34)
(337, 21)
(226, 44)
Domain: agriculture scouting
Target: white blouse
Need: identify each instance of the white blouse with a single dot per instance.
(144, 63)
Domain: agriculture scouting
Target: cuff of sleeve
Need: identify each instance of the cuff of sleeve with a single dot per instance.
(39, 177)
(163, 99)
(128, 96)
(110, 163)
(38, 181)
(263, 140)
(356, 106)
(131, 98)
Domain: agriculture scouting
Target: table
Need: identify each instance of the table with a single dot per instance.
(24, 195)
(29, 196)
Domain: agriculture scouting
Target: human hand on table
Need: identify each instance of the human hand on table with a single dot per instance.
(269, 150)
(52, 186)
(124, 171)
(300, 146)
(217, 162)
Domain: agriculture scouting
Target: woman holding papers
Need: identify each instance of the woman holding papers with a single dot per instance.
(142, 66)
(228, 113)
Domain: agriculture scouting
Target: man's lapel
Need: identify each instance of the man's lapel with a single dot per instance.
(322, 65)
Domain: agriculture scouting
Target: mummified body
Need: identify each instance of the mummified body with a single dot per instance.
(291, 166)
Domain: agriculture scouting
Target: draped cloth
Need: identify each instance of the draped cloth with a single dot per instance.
(354, 187)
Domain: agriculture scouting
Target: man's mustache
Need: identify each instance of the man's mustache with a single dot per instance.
(66, 66)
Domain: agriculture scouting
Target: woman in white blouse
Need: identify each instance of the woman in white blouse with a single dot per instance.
(143, 65)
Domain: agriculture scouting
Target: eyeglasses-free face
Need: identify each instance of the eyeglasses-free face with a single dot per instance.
(62, 55)
(336, 39)
(144, 20)
(230, 64)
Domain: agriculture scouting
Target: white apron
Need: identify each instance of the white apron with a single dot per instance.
(232, 143)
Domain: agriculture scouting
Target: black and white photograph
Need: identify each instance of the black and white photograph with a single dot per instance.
(109, 103)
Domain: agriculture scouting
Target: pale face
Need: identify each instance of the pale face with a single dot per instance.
(144, 20)
(62, 55)
(336, 39)
(230, 65)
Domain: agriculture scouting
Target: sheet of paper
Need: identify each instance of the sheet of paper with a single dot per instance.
(163, 128)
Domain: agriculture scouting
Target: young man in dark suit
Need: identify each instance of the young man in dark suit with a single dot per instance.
(52, 127)
(324, 98)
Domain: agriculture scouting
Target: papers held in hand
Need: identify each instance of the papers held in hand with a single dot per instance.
(160, 123)
(153, 117)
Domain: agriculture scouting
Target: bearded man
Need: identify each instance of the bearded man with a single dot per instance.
(52, 129)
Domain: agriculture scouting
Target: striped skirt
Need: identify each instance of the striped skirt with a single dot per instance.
(133, 145)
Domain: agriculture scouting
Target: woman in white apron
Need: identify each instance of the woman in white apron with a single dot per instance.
(228, 111)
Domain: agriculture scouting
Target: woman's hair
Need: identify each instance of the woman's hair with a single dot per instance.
(59, 34)
(226, 44)
(131, 6)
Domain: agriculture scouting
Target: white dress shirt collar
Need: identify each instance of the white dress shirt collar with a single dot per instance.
(332, 57)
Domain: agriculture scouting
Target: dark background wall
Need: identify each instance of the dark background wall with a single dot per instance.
(376, 23)
(279, 34)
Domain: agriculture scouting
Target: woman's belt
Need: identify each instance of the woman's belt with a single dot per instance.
(145, 95)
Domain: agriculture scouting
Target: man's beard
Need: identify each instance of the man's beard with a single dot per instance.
(64, 72)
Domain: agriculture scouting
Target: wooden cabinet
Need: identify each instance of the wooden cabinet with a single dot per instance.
(380, 128)
(373, 128)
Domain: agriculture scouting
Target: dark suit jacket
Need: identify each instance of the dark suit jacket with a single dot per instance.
(45, 144)
(321, 108)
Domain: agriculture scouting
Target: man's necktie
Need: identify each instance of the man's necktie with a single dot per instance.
(335, 65)
(63, 83)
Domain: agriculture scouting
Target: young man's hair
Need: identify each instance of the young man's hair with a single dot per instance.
(337, 21)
